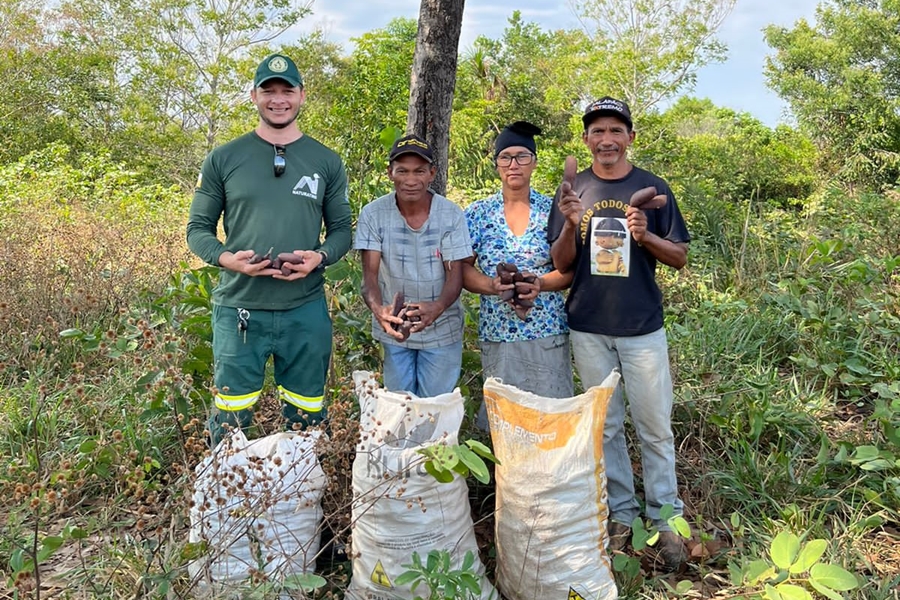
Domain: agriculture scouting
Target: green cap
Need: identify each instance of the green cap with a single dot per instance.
(277, 66)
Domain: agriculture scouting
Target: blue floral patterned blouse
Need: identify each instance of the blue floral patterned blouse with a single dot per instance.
(493, 243)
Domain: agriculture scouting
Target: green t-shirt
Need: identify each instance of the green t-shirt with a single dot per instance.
(260, 211)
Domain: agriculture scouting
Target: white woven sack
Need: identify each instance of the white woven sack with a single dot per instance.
(551, 506)
(398, 508)
(257, 505)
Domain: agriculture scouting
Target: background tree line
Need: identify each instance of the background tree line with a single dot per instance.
(783, 327)
(158, 84)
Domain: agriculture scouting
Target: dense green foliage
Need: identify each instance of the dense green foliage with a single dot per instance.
(840, 76)
(783, 328)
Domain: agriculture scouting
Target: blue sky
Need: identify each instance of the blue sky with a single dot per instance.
(738, 83)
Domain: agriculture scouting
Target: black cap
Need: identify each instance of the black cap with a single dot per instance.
(520, 133)
(411, 144)
(609, 107)
(609, 227)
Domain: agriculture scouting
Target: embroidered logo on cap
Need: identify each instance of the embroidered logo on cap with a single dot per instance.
(278, 65)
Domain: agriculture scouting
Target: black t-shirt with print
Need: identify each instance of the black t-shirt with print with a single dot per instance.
(614, 291)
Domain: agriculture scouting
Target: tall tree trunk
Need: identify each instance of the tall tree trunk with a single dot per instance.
(434, 79)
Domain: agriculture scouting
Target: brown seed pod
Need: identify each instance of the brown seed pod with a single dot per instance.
(399, 309)
(258, 258)
(524, 303)
(399, 301)
(290, 257)
(570, 169)
(506, 272)
(647, 199)
(642, 196)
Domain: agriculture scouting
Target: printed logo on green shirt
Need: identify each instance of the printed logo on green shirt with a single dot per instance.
(307, 186)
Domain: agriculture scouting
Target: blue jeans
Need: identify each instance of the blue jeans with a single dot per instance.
(643, 361)
(425, 373)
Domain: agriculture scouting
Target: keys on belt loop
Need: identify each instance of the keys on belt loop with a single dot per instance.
(243, 318)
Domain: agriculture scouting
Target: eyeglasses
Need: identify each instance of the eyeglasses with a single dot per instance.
(505, 160)
(280, 163)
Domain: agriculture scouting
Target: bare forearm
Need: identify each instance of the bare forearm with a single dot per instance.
(371, 291)
(555, 281)
(669, 253)
(453, 284)
(563, 250)
(475, 281)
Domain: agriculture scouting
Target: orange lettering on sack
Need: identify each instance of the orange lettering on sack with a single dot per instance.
(545, 431)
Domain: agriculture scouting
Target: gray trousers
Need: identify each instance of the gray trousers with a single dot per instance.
(542, 367)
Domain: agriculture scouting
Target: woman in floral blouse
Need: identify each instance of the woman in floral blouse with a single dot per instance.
(529, 350)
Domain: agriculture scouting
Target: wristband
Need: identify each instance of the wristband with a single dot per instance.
(321, 265)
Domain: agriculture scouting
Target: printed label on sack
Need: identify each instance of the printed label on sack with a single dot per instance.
(573, 595)
(379, 576)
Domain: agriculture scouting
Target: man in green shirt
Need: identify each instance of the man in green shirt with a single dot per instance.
(273, 188)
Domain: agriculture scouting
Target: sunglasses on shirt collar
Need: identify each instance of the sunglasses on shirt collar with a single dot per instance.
(280, 163)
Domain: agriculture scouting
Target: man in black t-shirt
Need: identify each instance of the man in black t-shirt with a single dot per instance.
(615, 312)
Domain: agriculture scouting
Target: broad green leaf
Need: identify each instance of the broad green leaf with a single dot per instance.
(70, 333)
(784, 549)
(49, 545)
(681, 526)
(470, 582)
(857, 366)
(52, 541)
(620, 562)
(864, 453)
(809, 555)
(475, 464)
(87, 446)
(876, 465)
(772, 593)
(406, 577)
(834, 577)
(759, 570)
(684, 586)
(462, 469)
(307, 582)
(439, 474)
(827, 592)
(666, 512)
(17, 560)
(789, 591)
(482, 450)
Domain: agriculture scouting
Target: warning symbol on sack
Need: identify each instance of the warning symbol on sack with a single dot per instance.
(573, 595)
(379, 577)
